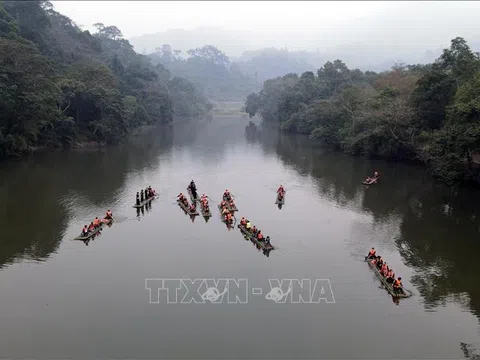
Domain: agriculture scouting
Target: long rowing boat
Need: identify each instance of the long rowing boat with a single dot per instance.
(253, 238)
(282, 200)
(387, 285)
(187, 209)
(95, 231)
(145, 202)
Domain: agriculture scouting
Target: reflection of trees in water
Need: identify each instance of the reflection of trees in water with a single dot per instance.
(440, 240)
(33, 191)
(439, 227)
(469, 351)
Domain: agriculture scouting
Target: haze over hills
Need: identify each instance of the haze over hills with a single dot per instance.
(411, 33)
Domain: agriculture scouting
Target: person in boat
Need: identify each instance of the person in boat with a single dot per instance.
(223, 204)
(248, 226)
(108, 215)
(225, 211)
(259, 235)
(384, 269)
(192, 186)
(96, 222)
(254, 229)
(226, 195)
(372, 254)
(280, 196)
(192, 208)
(228, 217)
(281, 190)
(267, 240)
(390, 276)
(243, 221)
(142, 196)
(137, 200)
(91, 227)
(379, 263)
(398, 286)
(231, 204)
(85, 230)
(180, 197)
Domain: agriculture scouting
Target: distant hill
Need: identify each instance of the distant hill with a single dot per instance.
(400, 32)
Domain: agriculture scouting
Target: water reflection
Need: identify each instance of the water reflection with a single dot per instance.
(41, 194)
(438, 226)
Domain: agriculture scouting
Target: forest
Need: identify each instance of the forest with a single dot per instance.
(61, 86)
(210, 69)
(422, 113)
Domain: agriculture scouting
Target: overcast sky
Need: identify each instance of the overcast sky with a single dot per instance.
(143, 17)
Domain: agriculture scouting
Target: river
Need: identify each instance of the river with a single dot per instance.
(61, 298)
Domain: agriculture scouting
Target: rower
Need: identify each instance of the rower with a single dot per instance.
(372, 253)
(390, 276)
(243, 221)
(231, 204)
(267, 240)
(248, 226)
(226, 195)
(259, 235)
(180, 197)
(398, 286)
(281, 190)
(147, 196)
(192, 186)
(109, 215)
(141, 196)
(137, 201)
(91, 227)
(384, 269)
(85, 230)
(225, 211)
(254, 229)
(379, 262)
(96, 222)
(192, 208)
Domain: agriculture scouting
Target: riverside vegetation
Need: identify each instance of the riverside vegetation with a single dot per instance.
(428, 113)
(62, 86)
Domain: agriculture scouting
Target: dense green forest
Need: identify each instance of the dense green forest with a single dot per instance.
(209, 69)
(427, 113)
(61, 86)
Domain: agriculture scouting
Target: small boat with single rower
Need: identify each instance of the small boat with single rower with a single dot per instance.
(253, 238)
(186, 208)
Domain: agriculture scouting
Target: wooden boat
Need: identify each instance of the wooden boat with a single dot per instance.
(371, 182)
(95, 231)
(282, 201)
(187, 209)
(145, 202)
(253, 238)
(388, 286)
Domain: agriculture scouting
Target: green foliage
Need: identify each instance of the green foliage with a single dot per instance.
(60, 85)
(425, 113)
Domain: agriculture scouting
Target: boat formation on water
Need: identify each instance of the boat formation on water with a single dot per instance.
(386, 275)
(95, 226)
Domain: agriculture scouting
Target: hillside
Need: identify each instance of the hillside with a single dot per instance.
(61, 86)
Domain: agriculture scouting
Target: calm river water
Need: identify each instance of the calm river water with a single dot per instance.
(61, 298)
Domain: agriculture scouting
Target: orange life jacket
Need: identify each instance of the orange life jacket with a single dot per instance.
(397, 283)
(372, 252)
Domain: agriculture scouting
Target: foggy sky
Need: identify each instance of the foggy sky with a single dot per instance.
(389, 26)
